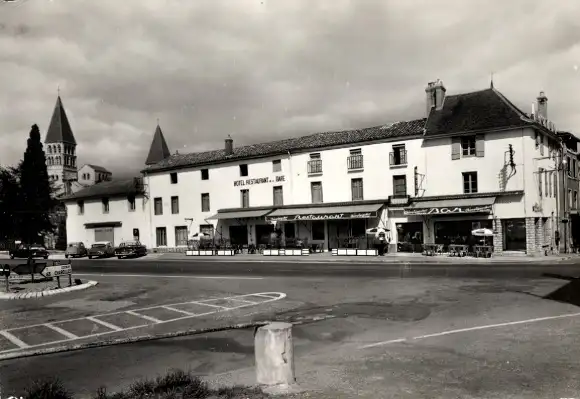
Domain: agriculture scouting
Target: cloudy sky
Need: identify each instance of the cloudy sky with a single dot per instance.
(262, 70)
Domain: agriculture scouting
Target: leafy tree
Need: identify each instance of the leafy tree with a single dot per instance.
(9, 203)
(36, 198)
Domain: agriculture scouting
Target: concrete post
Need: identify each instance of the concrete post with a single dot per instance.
(274, 354)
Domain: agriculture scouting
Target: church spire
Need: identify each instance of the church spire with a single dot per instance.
(59, 130)
(159, 149)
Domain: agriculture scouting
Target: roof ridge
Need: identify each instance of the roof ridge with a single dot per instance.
(514, 107)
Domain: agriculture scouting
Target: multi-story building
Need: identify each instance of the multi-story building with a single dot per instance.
(568, 170)
(474, 160)
(92, 174)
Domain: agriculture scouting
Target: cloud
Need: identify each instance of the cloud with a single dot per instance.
(263, 70)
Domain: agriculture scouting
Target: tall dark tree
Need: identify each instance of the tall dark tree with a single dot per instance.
(9, 204)
(35, 192)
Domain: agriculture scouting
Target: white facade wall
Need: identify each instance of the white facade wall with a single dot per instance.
(224, 184)
(118, 212)
(445, 177)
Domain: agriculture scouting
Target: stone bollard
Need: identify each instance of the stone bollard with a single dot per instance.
(274, 355)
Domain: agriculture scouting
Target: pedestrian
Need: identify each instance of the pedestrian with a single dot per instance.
(382, 243)
(557, 241)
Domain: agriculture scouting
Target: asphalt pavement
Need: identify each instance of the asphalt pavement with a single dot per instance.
(347, 269)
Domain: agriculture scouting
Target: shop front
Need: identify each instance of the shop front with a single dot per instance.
(451, 221)
(328, 227)
(242, 228)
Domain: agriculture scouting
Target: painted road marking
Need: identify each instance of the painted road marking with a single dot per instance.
(104, 323)
(178, 310)
(62, 331)
(13, 339)
(484, 327)
(153, 319)
(209, 304)
(170, 276)
(15, 335)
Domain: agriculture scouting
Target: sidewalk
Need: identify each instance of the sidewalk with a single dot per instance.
(327, 257)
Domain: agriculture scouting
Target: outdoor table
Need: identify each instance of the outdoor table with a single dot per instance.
(458, 249)
(483, 251)
(432, 249)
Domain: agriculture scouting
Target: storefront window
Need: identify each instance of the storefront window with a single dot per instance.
(515, 234)
(238, 235)
(409, 237)
(318, 231)
(263, 233)
(459, 231)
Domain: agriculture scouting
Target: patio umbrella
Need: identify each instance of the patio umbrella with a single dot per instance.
(199, 236)
(376, 230)
(482, 233)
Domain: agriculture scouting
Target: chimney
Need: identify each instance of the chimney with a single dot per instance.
(229, 146)
(435, 95)
(542, 105)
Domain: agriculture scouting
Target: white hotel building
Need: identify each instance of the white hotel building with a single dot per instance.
(475, 160)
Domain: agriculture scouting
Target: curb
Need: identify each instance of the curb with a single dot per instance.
(122, 341)
(352, 259)
(41, 294)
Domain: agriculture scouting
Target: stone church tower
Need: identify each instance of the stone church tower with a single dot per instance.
(60, 150)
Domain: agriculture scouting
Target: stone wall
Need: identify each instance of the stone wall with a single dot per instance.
(530, 235)
(498, 236)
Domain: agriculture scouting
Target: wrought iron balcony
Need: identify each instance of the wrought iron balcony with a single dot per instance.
(398, 158)
(315, 166)
(355, 162)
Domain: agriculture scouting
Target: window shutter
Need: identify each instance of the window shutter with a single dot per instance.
(480, 145)
(455, 147)
(540, 173)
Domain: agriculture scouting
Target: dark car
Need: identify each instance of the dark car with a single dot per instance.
(130, 248)
(75, 250)
(34, 251)
(101, 249)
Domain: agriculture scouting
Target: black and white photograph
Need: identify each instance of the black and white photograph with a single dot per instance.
(218, 199)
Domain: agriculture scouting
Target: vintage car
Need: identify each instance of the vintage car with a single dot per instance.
(130, 248)
(101, 249)
(34, 251)
(75, 250)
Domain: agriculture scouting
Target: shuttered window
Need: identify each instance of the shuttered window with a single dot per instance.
(245, 198)
(174, 205)
(205, 207)
(316, 191)
(181, 236)
(161, 236)
(540, 174)
(357, 189)
(278, 195)
(158, 206)
(400, 185)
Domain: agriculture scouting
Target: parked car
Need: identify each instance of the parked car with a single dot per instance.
(101, 249)
(23, 251)
(130, 248)
(75, 250)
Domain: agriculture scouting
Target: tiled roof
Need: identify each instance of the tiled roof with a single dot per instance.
(314, 141)
(98, 168)
(476, 111)
(59, 130)
(115, 188)
(159, 149)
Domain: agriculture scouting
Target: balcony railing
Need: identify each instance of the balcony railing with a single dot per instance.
(398, 158)
(315, 166)
(355, 162)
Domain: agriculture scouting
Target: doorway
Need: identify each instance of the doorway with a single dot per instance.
(515, 234)
(105, 234)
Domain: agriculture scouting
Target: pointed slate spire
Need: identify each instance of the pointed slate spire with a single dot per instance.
(159, 150)
(59, 130)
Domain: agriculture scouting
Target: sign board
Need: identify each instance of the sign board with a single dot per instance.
(57, 271)
(328, 216)
(260, 180)
(453, 210)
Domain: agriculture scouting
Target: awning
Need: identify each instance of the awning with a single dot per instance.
(102, 224)
(365, 211)
(451, 206)
(251, 213)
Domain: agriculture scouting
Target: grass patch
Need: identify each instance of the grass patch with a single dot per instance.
(176, 384)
